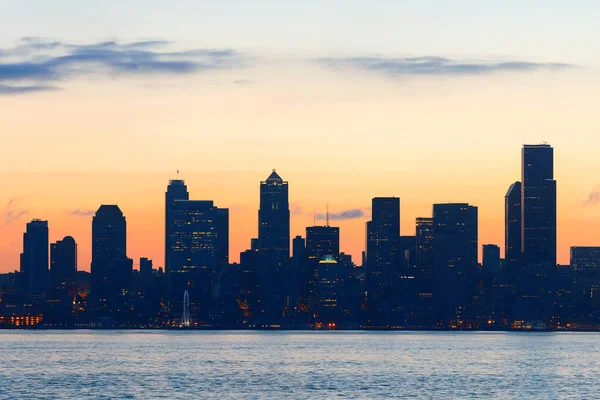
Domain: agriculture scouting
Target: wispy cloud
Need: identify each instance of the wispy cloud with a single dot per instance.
(343, 215)
(12, 212)
(38, 64)
(433, 66)
(594, 198)
(82, 213)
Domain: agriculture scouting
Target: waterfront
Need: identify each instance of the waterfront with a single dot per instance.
(159, 364)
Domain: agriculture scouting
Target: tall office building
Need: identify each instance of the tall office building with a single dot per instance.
(34, 259)
(273, 241)
(538, 208)
(424, 233)
(177, 190)
(322, 241)
(383, 252)
(111, 269)
(63, 268)
(454, 254)
(199, 241)
(512, 233)
(491, 259)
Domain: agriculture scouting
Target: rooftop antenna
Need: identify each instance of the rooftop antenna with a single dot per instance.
(314, 217)
(327, 215)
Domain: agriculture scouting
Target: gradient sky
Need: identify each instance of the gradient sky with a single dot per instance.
(430, 101)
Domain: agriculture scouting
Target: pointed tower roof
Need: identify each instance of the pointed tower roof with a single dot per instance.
(274, 177)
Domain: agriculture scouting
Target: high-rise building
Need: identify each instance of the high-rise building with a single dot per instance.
(322, 241)
(455, 259)
(424, 233)
(111, 269)
(491, 259)
(538, 208)
(383, 253)
(199, 243)
(177, 190)
(512, 232)
(273, 241)
(34, 259)
(585, 259)
(63, 268)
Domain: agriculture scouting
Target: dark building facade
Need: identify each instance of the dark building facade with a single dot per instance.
(383, 254)
(512, 233)
(63, 268)
(34, 259)
(538, 208)
(455, 246)
(322, 241)
(177, 190)
(585, 259)
(491, 259)
(273, 242)
(199, 240)
(424, 238)
(111, 269)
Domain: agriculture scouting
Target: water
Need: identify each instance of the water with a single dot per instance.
(221, 365)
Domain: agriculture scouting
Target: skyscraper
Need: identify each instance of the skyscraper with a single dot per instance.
(454, 254)
(63, 268)
(273, 240)
(177, 190)
(383, 253)
(199, 241)
(322, 241)
(424, 233)
(34, 259)
(538, 208)
(111, 269)
(512, 232)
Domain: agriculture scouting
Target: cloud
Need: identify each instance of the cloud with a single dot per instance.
(433, 66)
(12, 212)
(15, 90)
(343, 215)
(594, 198)
(37, 64)
(82, 213)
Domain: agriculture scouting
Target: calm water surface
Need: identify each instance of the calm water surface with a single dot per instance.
(220, 365)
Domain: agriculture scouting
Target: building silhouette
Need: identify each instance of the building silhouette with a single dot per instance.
(491, 259)
(111, 269)
(455, 246)
(63, 268)
(538, 208)
(424, 239)
(383, 254)
(176, 190)
(586, 259)
(34, 259)
(512, 233)
(273, 243)
(199, 241)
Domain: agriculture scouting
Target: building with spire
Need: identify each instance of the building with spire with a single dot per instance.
(273, 241)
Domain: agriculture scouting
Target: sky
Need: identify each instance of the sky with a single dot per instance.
(430, 101)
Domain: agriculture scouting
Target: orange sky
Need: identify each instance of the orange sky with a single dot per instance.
(337, 137)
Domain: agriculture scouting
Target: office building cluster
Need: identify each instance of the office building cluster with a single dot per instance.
(430, 280)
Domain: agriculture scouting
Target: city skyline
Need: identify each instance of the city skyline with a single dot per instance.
(349, 102)
(351, 219)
